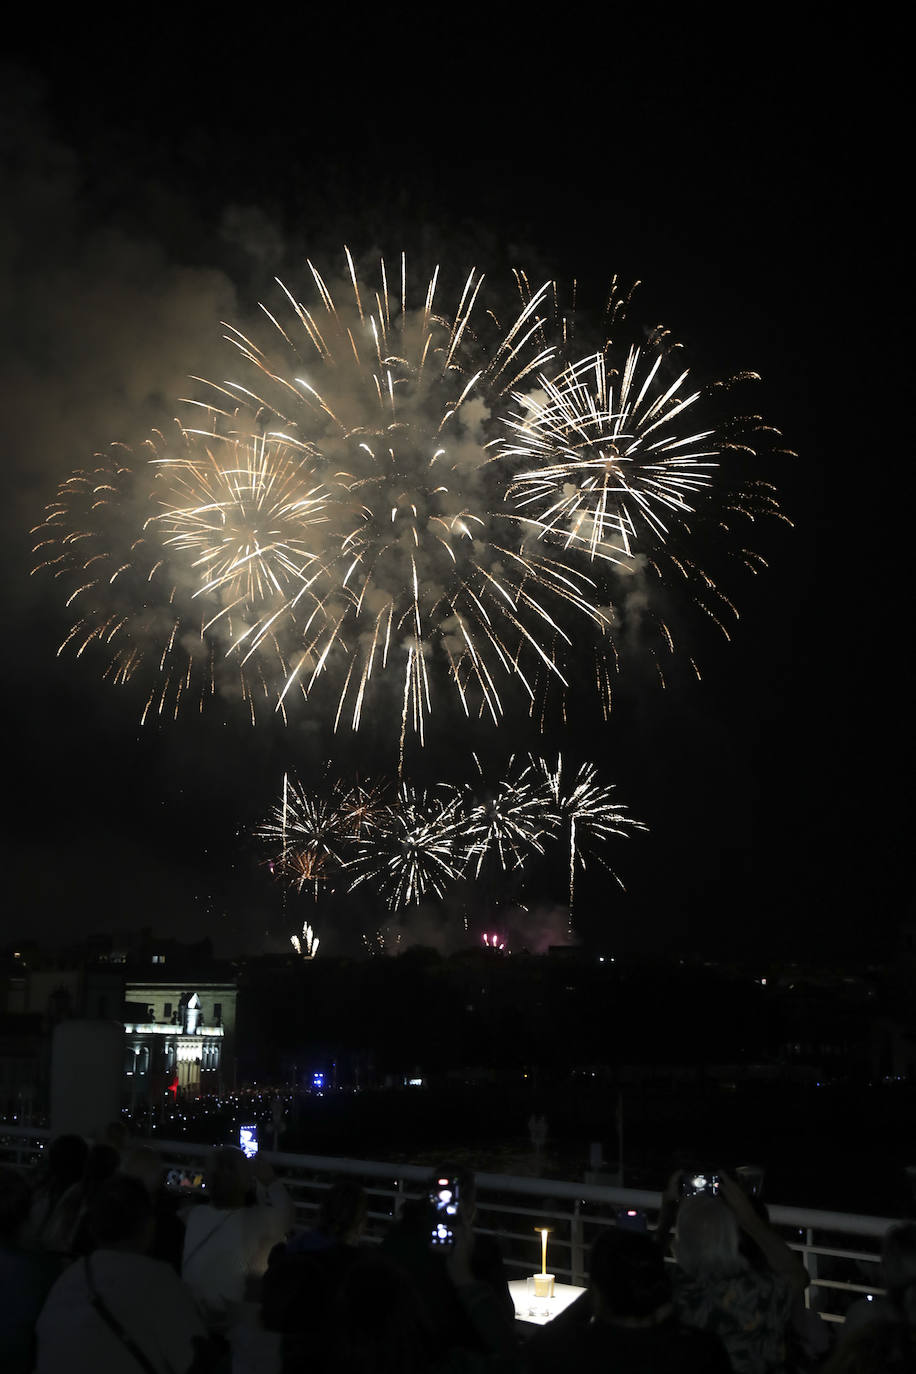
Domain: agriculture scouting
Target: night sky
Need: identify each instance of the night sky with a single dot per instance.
(154, 187)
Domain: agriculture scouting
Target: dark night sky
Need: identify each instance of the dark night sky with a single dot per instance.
(154, 188)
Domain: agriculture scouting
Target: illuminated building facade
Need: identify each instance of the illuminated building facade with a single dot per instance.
(178, 1038)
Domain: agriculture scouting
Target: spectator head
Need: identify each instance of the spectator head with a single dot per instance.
(15, 1202)
(707, 1243)
(66, 1161)
(114, 1134)
(343, 1211)
(121, 1215)
(628, 1278)
(878, 1347)
(101, 1163)
(898, 1260)
(146, 1165)
(229, 1182)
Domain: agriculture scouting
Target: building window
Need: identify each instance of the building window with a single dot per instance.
(158, 958)
(218, 1013)
(167, 1010)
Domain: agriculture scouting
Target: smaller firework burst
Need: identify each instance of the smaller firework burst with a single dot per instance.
(588, 812)
(418, 853)
(509, 823)
(311, 833)
(412, 845)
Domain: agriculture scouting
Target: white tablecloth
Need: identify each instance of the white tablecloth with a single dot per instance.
(539, 1311)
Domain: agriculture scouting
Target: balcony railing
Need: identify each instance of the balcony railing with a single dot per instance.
(840, 1250)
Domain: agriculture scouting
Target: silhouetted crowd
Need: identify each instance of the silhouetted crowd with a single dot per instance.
(105, 1270)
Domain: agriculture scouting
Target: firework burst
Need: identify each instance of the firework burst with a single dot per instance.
(393, 494)
(413, 845)
(509, 823)
(587, 810)
(311, 835)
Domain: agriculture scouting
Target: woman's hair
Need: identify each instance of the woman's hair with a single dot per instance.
(707, 1244)
(343, 1208)
(628, 1275)
(228, 1178)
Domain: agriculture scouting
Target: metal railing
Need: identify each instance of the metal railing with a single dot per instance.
(841, 1251)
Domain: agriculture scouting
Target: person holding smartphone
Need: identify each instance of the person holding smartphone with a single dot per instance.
(457, 1274)
(749, 1306)
(228, 1239)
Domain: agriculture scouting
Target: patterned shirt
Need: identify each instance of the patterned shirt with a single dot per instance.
(748, 1311)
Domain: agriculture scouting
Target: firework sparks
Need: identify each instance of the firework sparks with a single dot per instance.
(392, 491)
(418, 854)
(413, 846)
(510, 823)
(604, 471)
(314, 833)
(586, 808)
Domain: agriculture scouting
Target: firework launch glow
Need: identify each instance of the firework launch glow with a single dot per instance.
(414, 845)
(307, 944)
(395, 493)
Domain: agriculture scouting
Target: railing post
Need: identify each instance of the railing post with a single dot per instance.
(577, 1246)
(810, 1263)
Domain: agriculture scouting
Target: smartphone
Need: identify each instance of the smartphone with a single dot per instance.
(692, 1184)
(444, 1199)
(248, 1141)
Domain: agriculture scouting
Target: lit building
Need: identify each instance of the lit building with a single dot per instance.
(179, 1038)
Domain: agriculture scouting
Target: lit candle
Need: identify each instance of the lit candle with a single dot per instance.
(544, 1250)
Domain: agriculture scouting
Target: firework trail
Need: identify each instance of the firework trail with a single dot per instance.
(393, 494)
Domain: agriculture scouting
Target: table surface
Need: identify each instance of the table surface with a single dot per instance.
(540, 1311)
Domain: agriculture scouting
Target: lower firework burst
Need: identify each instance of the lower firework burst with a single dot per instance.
(418, 853)
(413, 845)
